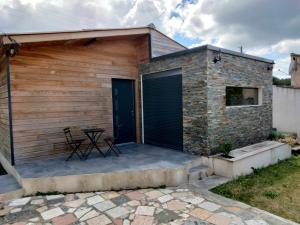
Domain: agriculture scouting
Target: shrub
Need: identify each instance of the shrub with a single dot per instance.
(275, 135)
(225, 148)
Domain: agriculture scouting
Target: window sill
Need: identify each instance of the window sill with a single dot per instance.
(242, 106)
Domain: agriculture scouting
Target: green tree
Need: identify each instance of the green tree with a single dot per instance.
(282, 82)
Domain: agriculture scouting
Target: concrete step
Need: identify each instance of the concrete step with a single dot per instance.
(210, 182)
(199, 172)
(9, 188)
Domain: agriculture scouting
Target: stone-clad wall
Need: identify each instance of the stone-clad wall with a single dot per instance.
(207, 122)
(241, 125)
(194, 95)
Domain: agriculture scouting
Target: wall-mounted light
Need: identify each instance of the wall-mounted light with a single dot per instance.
(270, 67)
(12, 48)
(218, 57)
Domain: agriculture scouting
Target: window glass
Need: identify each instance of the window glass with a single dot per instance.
(241, 96)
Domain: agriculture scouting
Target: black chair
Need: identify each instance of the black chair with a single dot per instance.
(74, 144)
(110, 141)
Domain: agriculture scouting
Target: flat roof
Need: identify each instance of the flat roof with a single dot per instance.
(213, 48)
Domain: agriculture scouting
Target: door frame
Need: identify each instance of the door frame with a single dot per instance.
(134, 108)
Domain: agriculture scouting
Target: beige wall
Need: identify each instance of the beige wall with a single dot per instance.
(286, 109)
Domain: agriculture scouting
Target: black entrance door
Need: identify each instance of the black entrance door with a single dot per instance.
(123, 110)
(162, 109)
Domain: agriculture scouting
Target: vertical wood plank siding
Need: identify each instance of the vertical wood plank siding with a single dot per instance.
(68, 85)
(4, 118)
(162, 45)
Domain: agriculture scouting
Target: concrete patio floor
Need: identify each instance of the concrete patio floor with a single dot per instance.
(134, 157)
(8, 184)
(139, 166)
(9, 188)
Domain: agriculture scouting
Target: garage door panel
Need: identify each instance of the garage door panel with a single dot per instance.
(162, 108)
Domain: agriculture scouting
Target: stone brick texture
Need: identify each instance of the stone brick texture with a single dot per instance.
(241, 125)
(207, 122)
(194, 73)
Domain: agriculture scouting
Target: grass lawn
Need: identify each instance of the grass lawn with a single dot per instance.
(275, 189)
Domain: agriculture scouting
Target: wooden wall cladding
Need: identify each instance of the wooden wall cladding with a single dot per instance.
(4, 118)
(67, 85)
(162, 45)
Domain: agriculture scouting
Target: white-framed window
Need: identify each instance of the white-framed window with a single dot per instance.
(243, 96)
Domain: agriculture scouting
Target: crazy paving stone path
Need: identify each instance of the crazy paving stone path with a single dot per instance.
(137, 207)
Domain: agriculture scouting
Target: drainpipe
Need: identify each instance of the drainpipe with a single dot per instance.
(12, 154)
(142, 108)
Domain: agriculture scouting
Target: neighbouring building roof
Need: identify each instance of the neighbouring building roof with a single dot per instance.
(295, 54)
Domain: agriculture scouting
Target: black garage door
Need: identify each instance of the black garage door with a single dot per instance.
(162, 109)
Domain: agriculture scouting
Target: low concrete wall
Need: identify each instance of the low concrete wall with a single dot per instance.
(116, 180)
(106, 181)
(246, 160)
(286, 109)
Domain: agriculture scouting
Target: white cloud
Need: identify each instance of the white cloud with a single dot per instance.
(286, 46)
(143, 12)
(52, 15)
(195, 45)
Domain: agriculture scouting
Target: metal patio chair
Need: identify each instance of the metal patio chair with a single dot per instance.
(74, 144)
(110, 141)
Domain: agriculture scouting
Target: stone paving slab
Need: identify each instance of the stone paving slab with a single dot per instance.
(170, 206)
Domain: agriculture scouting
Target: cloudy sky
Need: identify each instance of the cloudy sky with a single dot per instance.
(266, 28)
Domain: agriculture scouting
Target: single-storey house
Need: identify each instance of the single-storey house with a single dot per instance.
(136, 83)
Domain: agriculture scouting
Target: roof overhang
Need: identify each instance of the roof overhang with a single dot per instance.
(73, 35)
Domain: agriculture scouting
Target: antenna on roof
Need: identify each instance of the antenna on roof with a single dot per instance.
(151, 25)
(241, 49)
